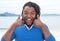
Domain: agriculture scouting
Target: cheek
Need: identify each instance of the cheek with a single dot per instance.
(33, 16)
(24, 16)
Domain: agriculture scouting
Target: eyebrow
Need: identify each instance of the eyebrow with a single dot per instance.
(26, 11)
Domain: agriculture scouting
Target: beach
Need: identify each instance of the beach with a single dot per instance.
(53, 23)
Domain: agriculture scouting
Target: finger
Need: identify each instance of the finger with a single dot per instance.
(38, 17)
(19, 17)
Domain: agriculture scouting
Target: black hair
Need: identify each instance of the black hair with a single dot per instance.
(34, 5)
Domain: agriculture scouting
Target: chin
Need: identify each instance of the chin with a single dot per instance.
(29, 24)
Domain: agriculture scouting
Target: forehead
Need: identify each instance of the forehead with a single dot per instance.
(27, 8)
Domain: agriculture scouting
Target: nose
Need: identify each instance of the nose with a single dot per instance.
(29, 16)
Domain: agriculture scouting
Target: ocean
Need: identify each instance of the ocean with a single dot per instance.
(53, 23)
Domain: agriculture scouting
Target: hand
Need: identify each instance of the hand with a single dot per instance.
(37, 22)
(19, 22)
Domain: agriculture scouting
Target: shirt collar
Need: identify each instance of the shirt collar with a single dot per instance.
(28, 27)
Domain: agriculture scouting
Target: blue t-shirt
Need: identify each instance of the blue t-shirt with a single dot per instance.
(21, 33)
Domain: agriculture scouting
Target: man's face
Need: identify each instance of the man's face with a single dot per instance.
(29, 14)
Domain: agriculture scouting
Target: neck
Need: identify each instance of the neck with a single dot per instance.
(29, 26)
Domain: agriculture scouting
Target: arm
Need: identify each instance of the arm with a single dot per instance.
(46, 33)
(50, 37)
(8, 35)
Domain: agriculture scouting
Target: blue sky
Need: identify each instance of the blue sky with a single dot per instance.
(15, 6)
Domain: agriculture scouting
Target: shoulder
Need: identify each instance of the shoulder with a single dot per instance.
(46, 26)
(19, 28)
(39, 27)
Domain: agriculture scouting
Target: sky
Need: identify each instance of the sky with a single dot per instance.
(15, 6)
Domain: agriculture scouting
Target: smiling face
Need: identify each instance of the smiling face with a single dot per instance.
(29, 15)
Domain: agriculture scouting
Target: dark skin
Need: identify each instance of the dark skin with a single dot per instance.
(29, 16)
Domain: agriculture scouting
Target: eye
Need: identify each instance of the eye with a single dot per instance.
(33, 13)
(25, 13)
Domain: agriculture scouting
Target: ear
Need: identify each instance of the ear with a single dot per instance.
(38, 17)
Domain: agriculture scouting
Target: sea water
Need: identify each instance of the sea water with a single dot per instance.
(53, 23)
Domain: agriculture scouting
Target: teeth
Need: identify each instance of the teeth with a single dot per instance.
(28, 19)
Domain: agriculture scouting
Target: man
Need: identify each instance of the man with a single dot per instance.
(30, 27)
